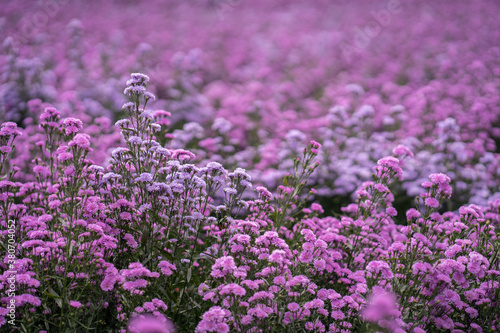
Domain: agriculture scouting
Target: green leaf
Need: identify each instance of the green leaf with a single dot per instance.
(180, 295)
(52, 294)
(285, 180)
(167, 293)
(189, 274)
(87, 328)
(195, 303)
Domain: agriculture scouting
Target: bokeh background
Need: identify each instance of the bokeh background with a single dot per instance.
(249, 83)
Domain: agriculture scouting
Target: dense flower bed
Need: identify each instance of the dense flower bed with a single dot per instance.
(297, 166)
(151, 238)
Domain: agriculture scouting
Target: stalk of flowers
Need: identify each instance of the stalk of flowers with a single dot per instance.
(159, 187)
(42, 134)
(378, 274)
(260, 283)
(61, 236)
(376, 194)
(174, 199)
(47, 246)
(8, 133)
(367, 228)
(257, 285)
(92, 214)
(51, 246)
(426, 273)
(440, 272)
(288, 201)
(438, 189)
(393, 267)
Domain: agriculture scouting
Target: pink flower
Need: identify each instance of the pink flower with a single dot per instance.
(401, 150)
(75, 304)
(381, 305)
(5, 149)
(431, 202)
(234, 289)
(294, 307)
(315, 144)
(130, 240)
(305, 257)
(317, 208)
(150, 324)
(389, 161)
(80, 140)
(378, 266)
(412, 213)
(319, 264)
(391, 211)
(381, 187)
(72, 125)
(338, 315)
(50, 113)
(277, 256)
(439, 178)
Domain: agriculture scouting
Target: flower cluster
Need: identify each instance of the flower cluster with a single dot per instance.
(203, 217)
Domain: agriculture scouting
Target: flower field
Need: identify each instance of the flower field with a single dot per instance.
(250, 166)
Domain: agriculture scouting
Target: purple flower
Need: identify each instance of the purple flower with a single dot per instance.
(81, 141)
(391, 211)
(75, 304)
(381, 305)
(234, 289)
(439, 178)
(144, 177)
(50, 113)
(431, 202)
(389, 161)
(317, 208)
(319, 264)
(412, 213)
(401, 150)
(138, 78)
(134, 90)
(150, 324)
(72, 125)
(294, 307)
(166, 267)
(380, 267)
(306, 257)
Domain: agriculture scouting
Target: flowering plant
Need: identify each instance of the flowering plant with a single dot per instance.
(151, 242)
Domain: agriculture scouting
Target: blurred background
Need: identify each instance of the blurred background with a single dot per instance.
(249, 83)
